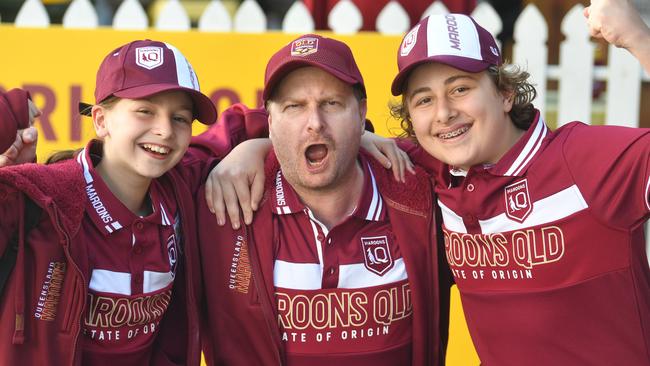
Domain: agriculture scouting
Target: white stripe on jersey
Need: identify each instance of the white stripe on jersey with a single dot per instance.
(552, 208)
(286, 210)
(154, 281)
(373, 211)
(358, 276)
(549, 209)
(452, 221)
(112, 282)
(116, 225)
(163, 214)
(297, 276)
(81, 158)
(184, 71)
(531, 148)
(319, 245)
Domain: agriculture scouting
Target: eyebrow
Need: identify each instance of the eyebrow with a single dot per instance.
(446, 82)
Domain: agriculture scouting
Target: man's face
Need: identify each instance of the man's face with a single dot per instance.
(315, 124)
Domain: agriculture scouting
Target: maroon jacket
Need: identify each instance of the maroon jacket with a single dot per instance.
(59, 190)
(240, 321)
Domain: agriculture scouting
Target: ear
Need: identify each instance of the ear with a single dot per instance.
(508, 100)
(363, 110)
(99, 121)
(270, 122)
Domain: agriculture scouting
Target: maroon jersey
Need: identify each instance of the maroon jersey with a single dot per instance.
(547, 247)
(132, 262)
(342, 294)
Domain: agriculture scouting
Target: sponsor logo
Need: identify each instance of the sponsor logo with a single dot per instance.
(149, 57)
(452, 32)
(409, 41)
(503, 256)
(344, 309)
(518, 203)
(376, 254)
(495, 51)
(304, 46)
(239, 277)
(48, 299)
(117, 319)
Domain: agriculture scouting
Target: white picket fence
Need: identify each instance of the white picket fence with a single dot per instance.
(575, 72)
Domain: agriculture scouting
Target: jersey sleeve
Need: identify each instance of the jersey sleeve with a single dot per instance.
(8, 216)
(611, 166)
(14, 115)
(235, 125)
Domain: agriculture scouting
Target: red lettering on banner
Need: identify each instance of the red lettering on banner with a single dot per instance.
(46, 109)
(229, 94)
(75, 117)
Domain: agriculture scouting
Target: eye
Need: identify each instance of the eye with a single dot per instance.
(460, 90)
(144, 111)
(422, 101)
(290, 106)
(183, 119)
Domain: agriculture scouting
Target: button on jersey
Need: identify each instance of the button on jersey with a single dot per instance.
(547, 248)
(133, 264)
(342, 295)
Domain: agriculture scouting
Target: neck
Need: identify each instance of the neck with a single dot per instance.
(334, 205)
(130, 190)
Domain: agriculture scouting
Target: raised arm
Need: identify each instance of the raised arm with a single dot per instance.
(619, 23)
(18, 137)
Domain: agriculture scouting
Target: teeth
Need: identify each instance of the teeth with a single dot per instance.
(454, 133)
(157, 149)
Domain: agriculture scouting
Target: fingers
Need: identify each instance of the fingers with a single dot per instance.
(257, 190)
(4, 161)
(244, 200)
(231, 204)
(29, 135)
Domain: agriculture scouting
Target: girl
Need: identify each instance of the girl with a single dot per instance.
(106, 276)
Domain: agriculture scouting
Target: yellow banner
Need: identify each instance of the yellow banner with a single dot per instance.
(58, 67)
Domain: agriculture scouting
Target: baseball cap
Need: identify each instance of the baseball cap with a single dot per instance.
(143, 68)
(452, 39)
(328, 54)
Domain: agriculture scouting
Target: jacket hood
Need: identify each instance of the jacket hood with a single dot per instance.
(59, 184)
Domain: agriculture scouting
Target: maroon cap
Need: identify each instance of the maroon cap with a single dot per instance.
(331, 55)
(452, 39)
(143, 68)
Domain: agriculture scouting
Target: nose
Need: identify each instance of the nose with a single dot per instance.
(163, 127)
(445, 111)
(315, 119)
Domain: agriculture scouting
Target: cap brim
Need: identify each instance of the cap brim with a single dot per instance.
(294, 64)
(458, 62)
(206, 112)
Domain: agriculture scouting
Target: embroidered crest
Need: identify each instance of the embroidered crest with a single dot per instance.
(149, 57)
(518, 203)
(304, 46)
(376, 254)
(409, 41)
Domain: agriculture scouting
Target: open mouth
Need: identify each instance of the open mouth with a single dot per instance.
(455, 133)
(156, 149)
(316, 154)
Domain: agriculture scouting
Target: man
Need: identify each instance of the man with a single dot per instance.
(338, 265)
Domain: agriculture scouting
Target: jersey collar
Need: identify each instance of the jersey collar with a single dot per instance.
(104, 209)
(370, 206)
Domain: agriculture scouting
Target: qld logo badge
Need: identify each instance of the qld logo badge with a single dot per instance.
(376, 254)
(518, 203)
(149, 57)
(304, 46)
(409, 41)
